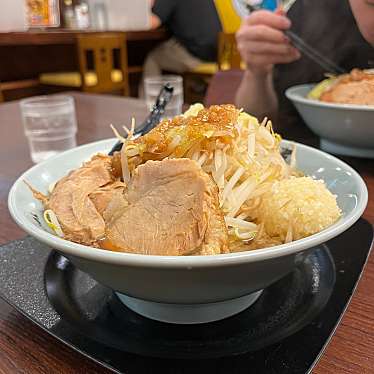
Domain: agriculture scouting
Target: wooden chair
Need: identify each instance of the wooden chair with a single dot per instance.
(228, 58)
(103, 68)
(228, 55)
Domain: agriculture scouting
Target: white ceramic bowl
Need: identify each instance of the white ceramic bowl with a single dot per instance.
(343, 128)
(189, 289)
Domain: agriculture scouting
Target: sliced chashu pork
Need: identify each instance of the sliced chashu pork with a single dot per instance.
(79, 199)
(354, 88)
(102, 196)
(79, 219)
(170, 208)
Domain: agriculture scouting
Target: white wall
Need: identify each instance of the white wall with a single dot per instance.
(12, 15)
(128, 14)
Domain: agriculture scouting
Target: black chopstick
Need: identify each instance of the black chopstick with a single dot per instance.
(328, 65)
(154, 117)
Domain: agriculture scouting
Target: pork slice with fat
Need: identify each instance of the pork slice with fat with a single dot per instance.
(76, 212)
(169, 208)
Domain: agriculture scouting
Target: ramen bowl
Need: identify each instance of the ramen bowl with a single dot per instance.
(189, 289)
(344, 129)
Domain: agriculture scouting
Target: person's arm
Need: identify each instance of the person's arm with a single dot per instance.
(161, 12)
(262, 44)
(155, 21)
(363, 11)
(256, 94)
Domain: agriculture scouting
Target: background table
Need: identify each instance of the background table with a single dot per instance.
(53, 37)
(26, 348)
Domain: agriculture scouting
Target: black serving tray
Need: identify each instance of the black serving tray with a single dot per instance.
(285, 331)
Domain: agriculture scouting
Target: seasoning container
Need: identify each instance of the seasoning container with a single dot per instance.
(69, 15)
(82, 15)
(99, 14)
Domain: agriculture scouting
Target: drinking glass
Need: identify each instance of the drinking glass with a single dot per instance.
(152, 87)
(50, 125)
(99, 15)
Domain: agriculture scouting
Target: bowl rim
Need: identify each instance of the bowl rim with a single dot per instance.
(153, 261)
(293, 95)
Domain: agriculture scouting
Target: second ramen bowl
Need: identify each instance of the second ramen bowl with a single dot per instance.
(344, 129)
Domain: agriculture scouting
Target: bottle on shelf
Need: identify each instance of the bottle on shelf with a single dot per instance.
(82, 15)
(69, 14)
(98, 14)
(43, 13)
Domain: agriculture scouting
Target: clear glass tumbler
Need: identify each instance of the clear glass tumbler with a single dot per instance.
(50, 125)
(152, 87)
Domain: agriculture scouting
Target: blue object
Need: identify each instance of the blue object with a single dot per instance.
(269, 4)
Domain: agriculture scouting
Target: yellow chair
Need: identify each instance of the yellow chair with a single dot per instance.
(230, 20)
(102, 65)
(228, 55)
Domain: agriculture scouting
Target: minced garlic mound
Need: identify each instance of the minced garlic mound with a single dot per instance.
(298, 207)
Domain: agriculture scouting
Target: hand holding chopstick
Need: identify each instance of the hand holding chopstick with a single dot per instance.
(328, 65)
(310, 52)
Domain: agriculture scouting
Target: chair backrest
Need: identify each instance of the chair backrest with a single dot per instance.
(222, 87)
(105, 55)
(228, 54)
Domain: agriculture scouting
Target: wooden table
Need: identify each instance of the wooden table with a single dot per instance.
(24, 347)
(48, 37)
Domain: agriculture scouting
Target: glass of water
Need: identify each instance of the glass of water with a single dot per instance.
(152, 87)
(50, 125)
